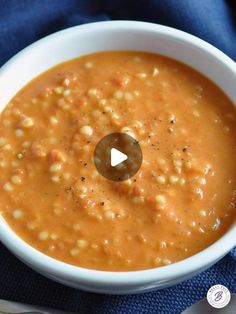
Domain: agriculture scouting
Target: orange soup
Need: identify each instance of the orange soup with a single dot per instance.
(180, 201)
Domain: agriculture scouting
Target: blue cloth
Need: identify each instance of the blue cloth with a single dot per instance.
(24, 21)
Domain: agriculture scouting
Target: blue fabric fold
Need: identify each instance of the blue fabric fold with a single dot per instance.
(25, 21)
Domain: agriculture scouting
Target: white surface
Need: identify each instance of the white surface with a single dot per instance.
(117, 157)
(15, 307)
(117, 35)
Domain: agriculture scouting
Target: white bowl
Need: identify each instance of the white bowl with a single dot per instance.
(116, 35)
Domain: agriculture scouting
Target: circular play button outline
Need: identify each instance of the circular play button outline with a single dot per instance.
(118, 156)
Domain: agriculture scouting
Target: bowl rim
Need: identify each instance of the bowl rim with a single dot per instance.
(53, 267)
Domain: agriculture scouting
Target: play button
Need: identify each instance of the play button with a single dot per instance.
(118, 156)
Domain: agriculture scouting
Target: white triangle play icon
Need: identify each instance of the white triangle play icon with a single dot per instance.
(117, 157)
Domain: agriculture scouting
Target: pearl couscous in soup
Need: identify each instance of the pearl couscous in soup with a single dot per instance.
(180, 201)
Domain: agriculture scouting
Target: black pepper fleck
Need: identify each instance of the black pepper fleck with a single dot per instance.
(68, 188)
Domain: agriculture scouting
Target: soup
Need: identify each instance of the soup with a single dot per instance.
(181, 200)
